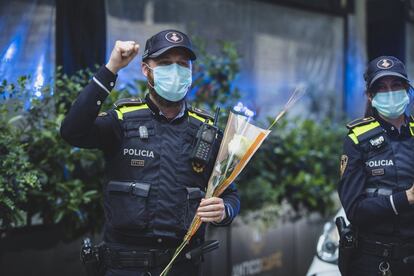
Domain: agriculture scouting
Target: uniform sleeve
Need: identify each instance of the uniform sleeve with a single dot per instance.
(82, 127)
(360, 209)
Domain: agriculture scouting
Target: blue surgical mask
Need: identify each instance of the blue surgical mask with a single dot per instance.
(171, 81)
(391, 104)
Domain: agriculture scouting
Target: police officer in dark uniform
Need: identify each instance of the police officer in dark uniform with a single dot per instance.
(377, 175)
(153, 188)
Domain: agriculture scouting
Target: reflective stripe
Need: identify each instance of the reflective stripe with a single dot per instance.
(353, 137)
(101, 85)
(412, 128)
(119, 113)
(362, 129)
(358, 131)
(192, 114)
(125, 109)
(393, 205)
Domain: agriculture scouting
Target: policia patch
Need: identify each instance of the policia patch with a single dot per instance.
(344, 162)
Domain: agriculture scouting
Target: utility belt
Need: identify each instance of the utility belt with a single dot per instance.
(150, 242)
(392, 251)
(351, 242)
(127, 258)
(97, 259)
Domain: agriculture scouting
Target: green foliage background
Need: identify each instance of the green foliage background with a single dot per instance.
(44, 180)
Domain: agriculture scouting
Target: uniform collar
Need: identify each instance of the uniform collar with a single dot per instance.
(158, 113)
(391, 130)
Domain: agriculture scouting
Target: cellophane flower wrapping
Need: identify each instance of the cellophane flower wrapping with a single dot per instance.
(240, 141)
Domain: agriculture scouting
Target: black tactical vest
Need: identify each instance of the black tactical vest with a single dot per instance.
(153, 189)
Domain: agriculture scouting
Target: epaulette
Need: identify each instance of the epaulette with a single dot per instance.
(364, 129)
(127, 105)
(200, 113)
(128, 102)
(360, 122)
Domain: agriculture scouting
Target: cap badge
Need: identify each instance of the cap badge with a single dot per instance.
(385, 63)
(174, 37)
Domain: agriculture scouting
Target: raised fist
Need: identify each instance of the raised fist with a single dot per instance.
(121, 55)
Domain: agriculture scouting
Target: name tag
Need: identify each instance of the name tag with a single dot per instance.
(378, 172)
(137, 163)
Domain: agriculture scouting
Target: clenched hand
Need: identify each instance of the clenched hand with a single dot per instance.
(121, 55)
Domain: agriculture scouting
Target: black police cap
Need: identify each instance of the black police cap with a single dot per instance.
(384, 66)
(166, 40)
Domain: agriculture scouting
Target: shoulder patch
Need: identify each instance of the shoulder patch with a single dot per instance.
(344, 163)
(360, 122)
(202, 113)
(128, 102)
(102, 114)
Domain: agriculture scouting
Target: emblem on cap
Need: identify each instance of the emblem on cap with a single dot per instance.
(174, 37)
(385, 63)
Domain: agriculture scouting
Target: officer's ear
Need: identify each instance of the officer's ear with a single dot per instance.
(406, 85)
(370, 95)
(144, 69)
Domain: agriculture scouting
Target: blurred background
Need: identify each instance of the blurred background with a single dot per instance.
(253, 51)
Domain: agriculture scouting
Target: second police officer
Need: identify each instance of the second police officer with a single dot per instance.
(153, 188)
(377, 175)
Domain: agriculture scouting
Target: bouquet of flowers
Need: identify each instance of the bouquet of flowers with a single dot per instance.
(240, 141)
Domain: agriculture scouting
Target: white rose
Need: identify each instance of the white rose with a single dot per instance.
(239, 145)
